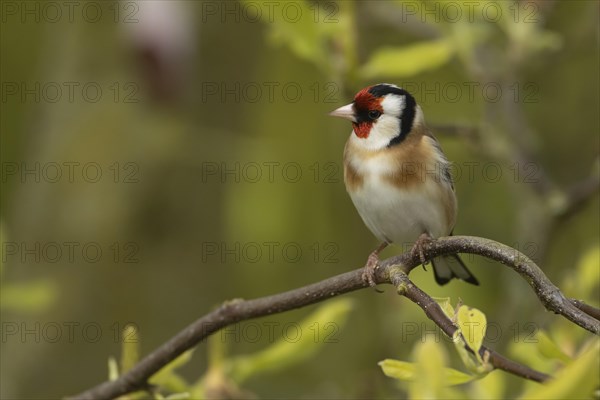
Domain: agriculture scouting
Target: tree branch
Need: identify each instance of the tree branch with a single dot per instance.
(560, 203)
(548, 294)
(239, 310)
(586, 308)
(435, 313)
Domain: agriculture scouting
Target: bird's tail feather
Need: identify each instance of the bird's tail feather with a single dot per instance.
(447, 267)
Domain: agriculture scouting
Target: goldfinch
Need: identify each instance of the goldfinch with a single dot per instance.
(398, 177)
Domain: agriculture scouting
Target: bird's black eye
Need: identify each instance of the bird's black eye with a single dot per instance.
(374, 114)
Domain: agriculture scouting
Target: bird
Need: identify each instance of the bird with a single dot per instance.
(399, 178)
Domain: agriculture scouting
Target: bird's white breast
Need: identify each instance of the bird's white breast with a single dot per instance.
(401, 214)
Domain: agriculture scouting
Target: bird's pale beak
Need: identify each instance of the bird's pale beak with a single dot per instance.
(346, 112)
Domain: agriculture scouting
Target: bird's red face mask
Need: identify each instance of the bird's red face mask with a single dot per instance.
(365, 104)
(362, 129)
(361, 112)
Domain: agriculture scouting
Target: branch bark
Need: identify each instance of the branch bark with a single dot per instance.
(586, 308)
(389, 271)
(435, 313)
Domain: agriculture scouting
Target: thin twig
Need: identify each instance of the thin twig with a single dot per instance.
(586, 308)
(228, 314)
(578, 195)
(240, 310)
(548, 294)
(435, 313)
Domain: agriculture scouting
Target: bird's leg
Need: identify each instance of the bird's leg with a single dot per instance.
(371, 265)
(419, 247)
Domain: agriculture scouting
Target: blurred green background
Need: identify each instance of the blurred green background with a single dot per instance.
(189, 143)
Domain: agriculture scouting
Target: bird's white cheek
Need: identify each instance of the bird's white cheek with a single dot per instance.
(380, 135)
(387, 127)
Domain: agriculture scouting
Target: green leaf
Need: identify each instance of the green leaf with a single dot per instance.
(130, 353)
(578, 380)
(586, 277)
(172, 382)
(430, 360)
(316, 330)
(472, 324)
(406, 371)
(113, 369)
(431, 377)
(178, 396)
(525, 353)
(548, 348)
(168, 378)
(304, 28)
(470, 333)
(523, 31)
(491, 386)
(400, 62)
(455, 377)
(217, 349)
(446, 306)
(28, 297)
(401, 370)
